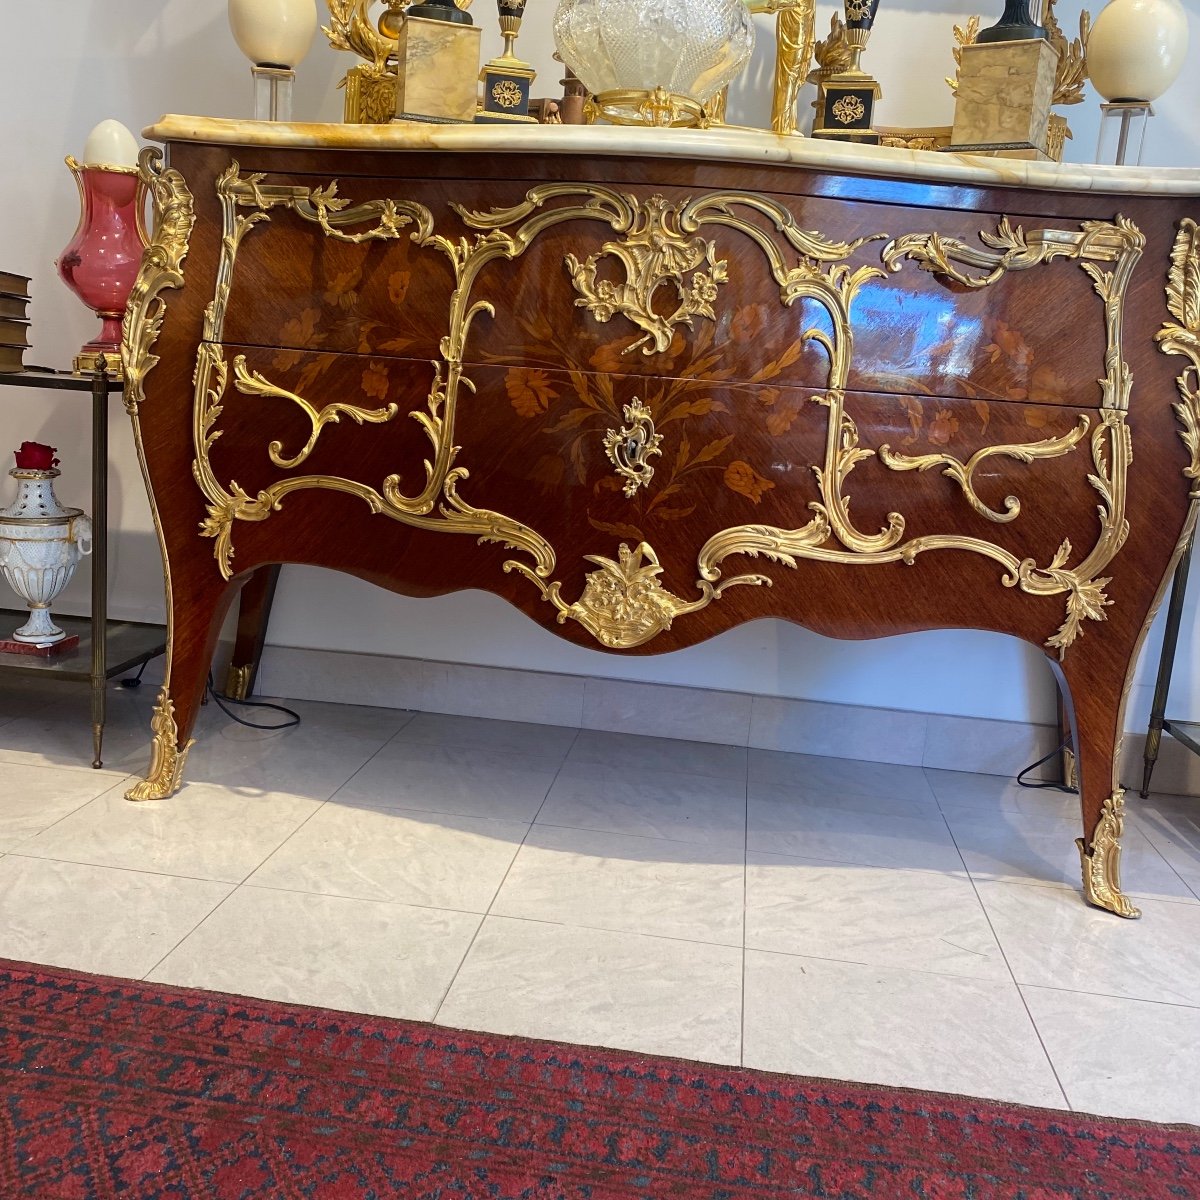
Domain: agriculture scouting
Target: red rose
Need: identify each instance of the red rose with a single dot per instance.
(33, 456)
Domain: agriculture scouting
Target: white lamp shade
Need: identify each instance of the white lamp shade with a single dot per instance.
(1137, 48)
(110, 144)
(274, 33)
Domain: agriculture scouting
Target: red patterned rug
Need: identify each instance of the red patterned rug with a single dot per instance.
(114, 1089)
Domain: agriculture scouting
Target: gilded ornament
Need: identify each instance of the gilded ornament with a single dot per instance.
(849, 109)
(506, 93)
(161, 268)
(167, 757)
(795, 42)
(660, 244)
(654, 253)
(237, 682)
(623, 604)
(1183, 337)
(964, 473)
(1101, 861)
(630, 447)
(251, 383)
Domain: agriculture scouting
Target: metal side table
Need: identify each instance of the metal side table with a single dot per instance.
(1187, 732)
(106, 648)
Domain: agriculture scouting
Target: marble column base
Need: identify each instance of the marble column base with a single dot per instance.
(1004, 95)
(438, 70)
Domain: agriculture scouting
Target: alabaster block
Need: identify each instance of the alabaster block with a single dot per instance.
(1004, 95)
(438, 69)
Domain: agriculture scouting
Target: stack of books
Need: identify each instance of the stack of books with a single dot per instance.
(14, 320)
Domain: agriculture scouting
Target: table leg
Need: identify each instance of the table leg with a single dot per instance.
(98, 674)
(254, 613)
(1166, 663)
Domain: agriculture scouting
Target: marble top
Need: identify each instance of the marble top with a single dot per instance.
(720, 144)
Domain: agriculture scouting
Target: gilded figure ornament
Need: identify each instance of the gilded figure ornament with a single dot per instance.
(630, 448)
(167, 757)
(795, 41)
(1101, 861)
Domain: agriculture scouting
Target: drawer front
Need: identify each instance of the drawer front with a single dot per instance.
(629, 503)
(725, 287)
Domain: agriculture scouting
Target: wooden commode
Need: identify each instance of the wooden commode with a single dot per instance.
(648, 385)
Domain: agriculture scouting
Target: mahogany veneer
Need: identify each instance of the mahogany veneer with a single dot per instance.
(430, 374)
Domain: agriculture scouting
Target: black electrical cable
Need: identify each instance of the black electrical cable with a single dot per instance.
(1058, 787)
(133, 681)
(221, 700)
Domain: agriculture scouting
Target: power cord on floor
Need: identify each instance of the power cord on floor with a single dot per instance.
(134, 681)
(1047, 786)
(221, 701)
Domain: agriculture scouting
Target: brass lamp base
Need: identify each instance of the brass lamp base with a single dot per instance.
(659, 108)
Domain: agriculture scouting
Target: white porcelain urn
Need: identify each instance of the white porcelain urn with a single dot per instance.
(1137, 48)
(41, 543)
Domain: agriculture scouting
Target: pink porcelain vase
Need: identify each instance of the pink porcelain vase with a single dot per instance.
(101, 261)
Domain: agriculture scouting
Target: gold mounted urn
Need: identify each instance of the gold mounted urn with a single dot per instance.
(846, 109)
(506, 80)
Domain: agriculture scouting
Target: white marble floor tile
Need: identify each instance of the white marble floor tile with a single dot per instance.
(600, 988)
(59, 733)
(96, 918)
(1052, 938)
(784, 826)
(439, 779)
(203, 832)
(1018, 848)
(1172, 826)
(814, 774)
(432, 859)
(887, 1025)
(633, 884)
(527, 741)
(870, 915)
(1122, 1058)
(834, 797)
(963, 791)
(21, 696)
(700, 809)
(389, 960)
(632, 754)
(33, 797)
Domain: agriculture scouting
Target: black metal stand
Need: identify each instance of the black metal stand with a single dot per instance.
(1186, 732)
(110, 647)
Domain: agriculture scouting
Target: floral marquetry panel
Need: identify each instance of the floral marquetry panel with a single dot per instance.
(647, 400)
(664, 282)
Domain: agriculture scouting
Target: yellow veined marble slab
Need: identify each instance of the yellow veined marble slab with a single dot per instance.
(727, 143)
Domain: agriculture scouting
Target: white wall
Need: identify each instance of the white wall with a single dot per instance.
(133, 60)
